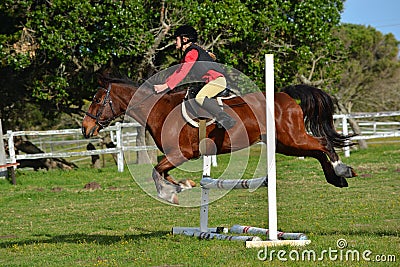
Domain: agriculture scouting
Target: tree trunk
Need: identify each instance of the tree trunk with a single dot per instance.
(353, 124)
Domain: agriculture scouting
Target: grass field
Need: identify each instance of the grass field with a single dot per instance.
(49, 219)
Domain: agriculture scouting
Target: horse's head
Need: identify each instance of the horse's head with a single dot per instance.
(101, 112)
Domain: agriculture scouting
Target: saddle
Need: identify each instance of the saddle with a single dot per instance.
(192, 112)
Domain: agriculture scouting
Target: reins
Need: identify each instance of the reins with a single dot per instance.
(108, 100)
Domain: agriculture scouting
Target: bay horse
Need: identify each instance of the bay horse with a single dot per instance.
(297, 108)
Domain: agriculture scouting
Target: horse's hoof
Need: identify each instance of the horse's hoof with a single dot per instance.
(338, 182)
(174, 199)
(187, 184)
(171, 198)
(343, 170)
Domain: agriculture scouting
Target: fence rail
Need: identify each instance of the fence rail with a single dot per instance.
(377, 129)
(116, 131)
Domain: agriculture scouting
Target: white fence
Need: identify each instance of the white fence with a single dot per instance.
(115, 131)
(370, 128)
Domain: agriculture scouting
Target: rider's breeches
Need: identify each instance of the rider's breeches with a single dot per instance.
(211, 89)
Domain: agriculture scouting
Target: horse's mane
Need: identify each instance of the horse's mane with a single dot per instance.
(178, 93)
(107, 78)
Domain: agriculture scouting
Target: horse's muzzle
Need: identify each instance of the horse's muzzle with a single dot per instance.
(84, 132)
(90, 133)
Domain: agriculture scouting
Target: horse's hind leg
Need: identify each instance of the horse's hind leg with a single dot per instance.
(339, 167)
(326, 165)
(301, 141)
(319, 148)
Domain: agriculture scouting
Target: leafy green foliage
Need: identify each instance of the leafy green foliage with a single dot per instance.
(50, 51)
(63, 43)
(372, 60)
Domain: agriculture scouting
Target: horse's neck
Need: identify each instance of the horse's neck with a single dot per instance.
(153, 113)
(160, 108)
(150, 109)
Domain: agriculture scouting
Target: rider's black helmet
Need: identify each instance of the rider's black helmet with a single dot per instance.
(186, 31)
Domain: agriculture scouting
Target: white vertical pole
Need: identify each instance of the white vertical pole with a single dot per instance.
(120, 155)
(271, 168)
(3, 171)
(345, 132)
(214, 160)
(205, 196)
(11, 150)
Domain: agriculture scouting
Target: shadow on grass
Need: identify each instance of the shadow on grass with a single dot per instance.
(99, 239)
(379, 233)
(80, 238)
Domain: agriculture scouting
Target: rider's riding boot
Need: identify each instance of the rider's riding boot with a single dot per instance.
(223, 119)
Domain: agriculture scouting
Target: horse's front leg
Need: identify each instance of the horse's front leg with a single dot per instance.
(167, 187)
(166, 190)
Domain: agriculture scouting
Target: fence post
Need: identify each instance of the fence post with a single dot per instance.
(3, 171)
(345, 132)
(120, 155)
(11, 147)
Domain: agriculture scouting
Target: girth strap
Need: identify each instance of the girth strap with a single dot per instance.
(202, 137)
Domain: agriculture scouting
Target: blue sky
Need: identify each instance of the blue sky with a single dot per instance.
(383, 15)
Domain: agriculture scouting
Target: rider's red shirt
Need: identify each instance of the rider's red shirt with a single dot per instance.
(186, 65)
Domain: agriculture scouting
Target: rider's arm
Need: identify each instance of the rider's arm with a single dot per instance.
(183, 70)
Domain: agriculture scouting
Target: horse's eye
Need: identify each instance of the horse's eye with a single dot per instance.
(96, 100)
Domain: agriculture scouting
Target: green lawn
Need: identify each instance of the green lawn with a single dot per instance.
(49, 219)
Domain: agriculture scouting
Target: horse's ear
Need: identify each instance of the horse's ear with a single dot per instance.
(103, 77)
(101, 80)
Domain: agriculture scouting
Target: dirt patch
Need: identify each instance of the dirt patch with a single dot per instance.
(92, 186)
(366, 175)
(56, 189)
(113, 188)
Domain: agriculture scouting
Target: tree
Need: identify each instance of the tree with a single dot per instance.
(366, 82)
(298, 33)
(372, 60)
(50, 50)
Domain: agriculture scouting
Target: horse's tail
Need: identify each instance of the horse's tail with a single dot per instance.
(318, 112)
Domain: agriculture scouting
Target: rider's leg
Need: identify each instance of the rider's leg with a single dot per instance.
(204, 96)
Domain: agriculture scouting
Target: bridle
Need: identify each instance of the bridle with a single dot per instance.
(107, 101)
